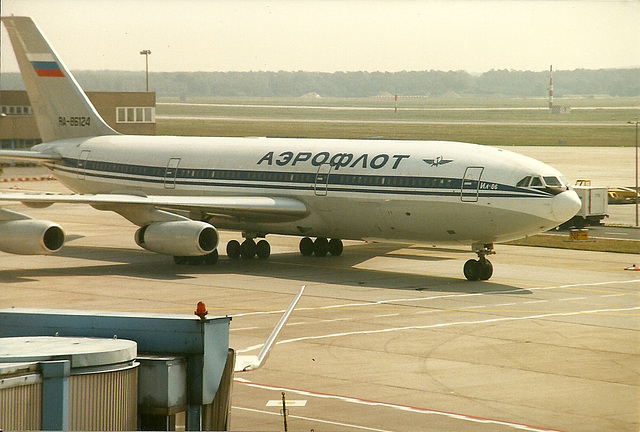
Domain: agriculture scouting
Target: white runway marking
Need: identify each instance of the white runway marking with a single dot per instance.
(430, 311)
(442, 325)
(243, 328)
(291, 416)
(572, 299)
(594, 284)
(450, 296)
(336, 319)
(298, 323)
(404, 408)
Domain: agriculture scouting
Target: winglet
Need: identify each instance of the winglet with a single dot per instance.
(253, 362)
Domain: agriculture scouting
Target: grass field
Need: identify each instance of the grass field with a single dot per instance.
(592, 122)
(594, 245)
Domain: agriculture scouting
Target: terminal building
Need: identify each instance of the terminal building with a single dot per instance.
(131, 113)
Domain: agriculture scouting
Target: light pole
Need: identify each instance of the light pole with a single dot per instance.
(637, 190)
(146, 54)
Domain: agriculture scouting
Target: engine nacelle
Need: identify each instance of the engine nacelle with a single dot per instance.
(178, 238)
(30, 237)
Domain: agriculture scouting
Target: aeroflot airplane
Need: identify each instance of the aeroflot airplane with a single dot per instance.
(181, 190)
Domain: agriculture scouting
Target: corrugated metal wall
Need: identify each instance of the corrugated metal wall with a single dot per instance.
(104, 401)
(21, 407)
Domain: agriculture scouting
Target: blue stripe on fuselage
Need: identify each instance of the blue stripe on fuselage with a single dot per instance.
(281, 180)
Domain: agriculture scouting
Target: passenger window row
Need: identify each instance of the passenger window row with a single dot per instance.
(305, 178)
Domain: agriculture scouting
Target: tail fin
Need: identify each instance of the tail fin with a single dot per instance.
(61, 108)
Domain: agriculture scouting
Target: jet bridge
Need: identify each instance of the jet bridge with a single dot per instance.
(194, 349)
(183, 364)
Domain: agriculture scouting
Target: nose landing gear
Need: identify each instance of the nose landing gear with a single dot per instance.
(480, 269)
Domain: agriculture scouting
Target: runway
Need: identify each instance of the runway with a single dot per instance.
(386, 338)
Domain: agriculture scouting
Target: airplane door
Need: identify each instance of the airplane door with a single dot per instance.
(82, 164)
(322, 179)
(471, 184)
(170, 173)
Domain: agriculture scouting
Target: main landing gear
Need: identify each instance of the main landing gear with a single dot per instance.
(480, 269)
(321, 247)
(248, 249)
(318, 247)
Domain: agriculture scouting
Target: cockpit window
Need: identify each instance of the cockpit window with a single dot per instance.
(542, 182)
(536, 182)
(553, 181)
(524, 182)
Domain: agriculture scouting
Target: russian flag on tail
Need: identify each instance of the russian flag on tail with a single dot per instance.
(45, 66)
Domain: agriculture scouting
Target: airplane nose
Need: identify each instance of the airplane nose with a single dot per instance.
(565, 206)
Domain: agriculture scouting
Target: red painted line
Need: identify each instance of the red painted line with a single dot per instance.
(25, 179)
(349, 399)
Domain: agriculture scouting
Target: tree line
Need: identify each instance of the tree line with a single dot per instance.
(508, 83)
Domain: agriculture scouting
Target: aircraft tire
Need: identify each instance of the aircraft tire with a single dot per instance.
(263, 249)
(248, 249)
(335, 247)
(486, 270)
(321, 247)
(472, 270)
(211, 258)
(306, 246)
(233, 249)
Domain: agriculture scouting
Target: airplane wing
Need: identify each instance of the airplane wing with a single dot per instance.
(246, 363)
(28, 156)
(264, 209)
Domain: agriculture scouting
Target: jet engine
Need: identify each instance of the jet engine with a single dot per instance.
(178, 238)
(30, 237)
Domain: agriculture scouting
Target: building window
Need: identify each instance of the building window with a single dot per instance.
(19, 144)
(16, 110)
(136, 114)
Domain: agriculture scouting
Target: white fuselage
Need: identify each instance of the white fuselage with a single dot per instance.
(414, 191)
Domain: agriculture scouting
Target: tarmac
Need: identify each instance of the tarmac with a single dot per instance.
(386, 337)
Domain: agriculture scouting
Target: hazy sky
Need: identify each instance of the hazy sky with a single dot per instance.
(351, 35)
